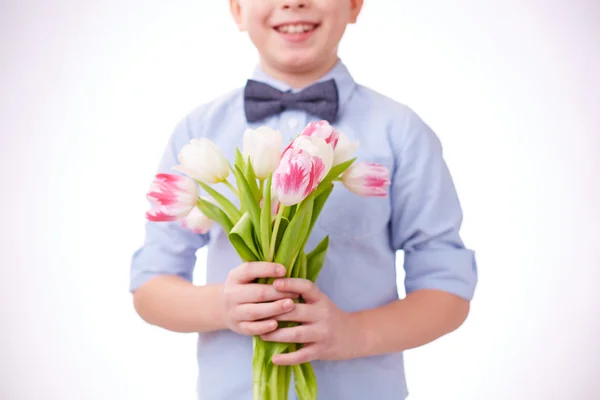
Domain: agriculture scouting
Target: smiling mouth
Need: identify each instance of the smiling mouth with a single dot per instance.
(296, 28)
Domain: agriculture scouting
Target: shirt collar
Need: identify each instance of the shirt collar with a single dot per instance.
(344, 81)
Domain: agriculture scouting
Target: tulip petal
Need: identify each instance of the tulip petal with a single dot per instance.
(344, 150)
(172, 197)
(202, 160)
(292, 177)
(323, 130)
(262, 147)
(197, 222)
(367, 179)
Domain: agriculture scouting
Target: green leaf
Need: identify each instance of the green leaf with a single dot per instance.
(288, 379)
(300, 266)
(287, 210)
(256, 241)
(283, 224)
(246, 197)
(291, 211)
(319, 204)
(333, 174)
(241, 164)
(315, 260)
(242, 238)
(228, 207)
(243, 251)
(339, 169)
(283, 384)
(251, 178)
(265, 218)
(295, 235)
(270, 349)
(239, 160)
(305, 382)
(258, 365)
(216, 214)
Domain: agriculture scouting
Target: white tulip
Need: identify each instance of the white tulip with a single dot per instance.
(316, 147)
(202, 160)
(197, 222)
(344, 150)
(263, 147)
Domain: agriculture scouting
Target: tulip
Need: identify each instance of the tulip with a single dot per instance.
(197, 222)
(202, 160)
(263, 147)
(323, 130)
(344, 150)
(367, 179)
(317, 148)
(296, 176)
(172, 197)
(274, 202)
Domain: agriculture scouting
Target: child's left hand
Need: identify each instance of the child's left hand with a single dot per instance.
(329, 333)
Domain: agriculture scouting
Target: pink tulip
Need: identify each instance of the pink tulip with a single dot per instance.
(367, 179)
(172, 197)
(323, 130)
(197, 222)
(317, 148)
(296, 176)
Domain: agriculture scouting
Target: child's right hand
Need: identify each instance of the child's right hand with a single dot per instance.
(250, 307)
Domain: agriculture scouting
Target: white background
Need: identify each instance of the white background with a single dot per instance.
(91, 90)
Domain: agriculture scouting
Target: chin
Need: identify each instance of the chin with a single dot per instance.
(297, 62)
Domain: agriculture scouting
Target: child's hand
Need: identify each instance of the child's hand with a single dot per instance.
(328, 332)
(249, 307)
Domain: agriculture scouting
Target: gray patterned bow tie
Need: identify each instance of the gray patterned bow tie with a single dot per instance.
(262, 100)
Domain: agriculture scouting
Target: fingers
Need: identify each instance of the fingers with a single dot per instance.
(257, 293)
(304, 355)
(307, 289)
(300, 313)
(297, 334)
(252, 328)
(248, 272)
(253, 312)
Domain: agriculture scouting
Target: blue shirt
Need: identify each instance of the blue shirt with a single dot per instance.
(421, 217)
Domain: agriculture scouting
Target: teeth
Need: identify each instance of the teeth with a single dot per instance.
(300, 28)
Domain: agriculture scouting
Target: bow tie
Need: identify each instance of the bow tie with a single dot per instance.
(262, 100)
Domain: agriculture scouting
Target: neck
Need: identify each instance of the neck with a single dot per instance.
(298, 78)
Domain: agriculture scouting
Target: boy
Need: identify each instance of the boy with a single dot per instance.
(354, 325)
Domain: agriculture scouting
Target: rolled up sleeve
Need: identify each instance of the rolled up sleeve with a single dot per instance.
(168, 248)
(427, 217)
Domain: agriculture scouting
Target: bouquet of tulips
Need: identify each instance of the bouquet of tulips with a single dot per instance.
(281, 194)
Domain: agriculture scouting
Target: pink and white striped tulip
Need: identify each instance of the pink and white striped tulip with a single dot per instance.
(323, 130)
(296, 176)
(344, 150)
(197, 222)
(317, 148)
(172, 197)
(367, 179)
(202, 160)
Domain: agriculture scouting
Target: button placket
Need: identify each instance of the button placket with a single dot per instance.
(290, 125)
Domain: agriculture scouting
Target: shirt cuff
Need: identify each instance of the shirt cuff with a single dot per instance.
(450, 270)
(147, 265)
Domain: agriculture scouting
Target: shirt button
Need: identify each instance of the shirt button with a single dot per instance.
(293, 123)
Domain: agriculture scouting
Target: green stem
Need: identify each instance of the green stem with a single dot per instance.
(230, 186)
(262, 186)
(275, 231)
